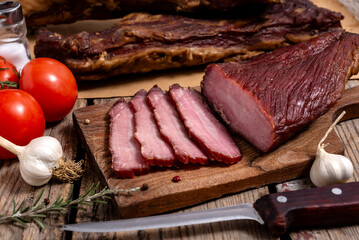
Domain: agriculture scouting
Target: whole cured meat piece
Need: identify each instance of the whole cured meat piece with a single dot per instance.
(127, 160)
(172, 128)
(153, 148)
(273, 96)
(203, 127)
(39, 12)
(142, 42)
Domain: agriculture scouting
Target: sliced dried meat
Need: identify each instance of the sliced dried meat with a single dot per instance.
(142, 42)
(172, 128)
(273, 96)
(153, 147)
(127, 160)
(203, 126)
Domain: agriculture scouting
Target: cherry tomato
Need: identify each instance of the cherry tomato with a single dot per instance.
(21, 119)
(9, 76)
(52, 84)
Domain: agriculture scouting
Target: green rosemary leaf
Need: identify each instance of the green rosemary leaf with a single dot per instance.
(14, 206)
(87, 192)
(20, 206)
(57, 209)
(99, 201)
(19, 221)
(38, 198)
(39, 215)
(39, 222)
(86, 203)
(25, 209)
(58, 201)
(25, 220)
(79, 208)
(40, 206)
(70, 193)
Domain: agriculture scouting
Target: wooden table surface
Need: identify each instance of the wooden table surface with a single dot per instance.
(12, 187)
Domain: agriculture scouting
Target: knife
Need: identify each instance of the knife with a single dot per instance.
(334, 205)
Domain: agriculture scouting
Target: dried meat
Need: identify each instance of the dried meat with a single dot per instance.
(203, 126)
(153, 147)
(39, 12)
(127, 160)
(172, 128)
(269, 98)
(141, 42)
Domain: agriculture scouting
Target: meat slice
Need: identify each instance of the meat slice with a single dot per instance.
(141, 42)
(127, 160)
(153, 148)
(273, 96)
(172, 128)
(203, 126)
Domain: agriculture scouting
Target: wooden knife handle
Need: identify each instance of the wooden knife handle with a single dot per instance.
(333, 205)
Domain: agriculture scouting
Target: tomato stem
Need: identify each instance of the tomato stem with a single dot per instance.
(16, 72)
(8, 84)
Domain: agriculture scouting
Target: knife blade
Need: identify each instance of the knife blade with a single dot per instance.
(334, 205)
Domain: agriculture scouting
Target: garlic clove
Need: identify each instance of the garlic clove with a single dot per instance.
(38, 158)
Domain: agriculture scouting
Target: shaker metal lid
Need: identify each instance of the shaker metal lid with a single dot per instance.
(10, 13)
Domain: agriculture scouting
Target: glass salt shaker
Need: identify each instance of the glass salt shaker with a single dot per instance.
(14, 46)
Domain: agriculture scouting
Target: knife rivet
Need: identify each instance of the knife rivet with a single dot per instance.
(336, 191)
(282, 199)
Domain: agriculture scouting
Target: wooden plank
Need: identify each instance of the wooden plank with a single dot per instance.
(13, 187)
(199, 184)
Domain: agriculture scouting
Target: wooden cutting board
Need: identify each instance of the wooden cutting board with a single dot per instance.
(200, 183)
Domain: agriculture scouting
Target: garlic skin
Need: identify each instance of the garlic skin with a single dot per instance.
(329, 169)
(38, 158)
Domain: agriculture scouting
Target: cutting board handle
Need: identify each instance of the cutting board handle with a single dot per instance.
(334, 205)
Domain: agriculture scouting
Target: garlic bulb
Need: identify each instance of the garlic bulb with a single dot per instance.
(328, 168)
(42, 159)
(38, 158)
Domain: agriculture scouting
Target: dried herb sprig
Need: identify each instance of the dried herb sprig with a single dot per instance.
(37, 211)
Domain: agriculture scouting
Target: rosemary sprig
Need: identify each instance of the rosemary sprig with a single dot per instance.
(37, 212)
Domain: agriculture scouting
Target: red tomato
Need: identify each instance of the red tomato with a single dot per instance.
(9, 76)
(52, 84)
(21, 119)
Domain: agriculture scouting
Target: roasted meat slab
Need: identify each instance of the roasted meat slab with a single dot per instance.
(142, 42)
(269, 98)
(39, 12)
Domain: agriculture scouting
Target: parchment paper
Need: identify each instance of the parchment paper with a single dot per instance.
(129, 85)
